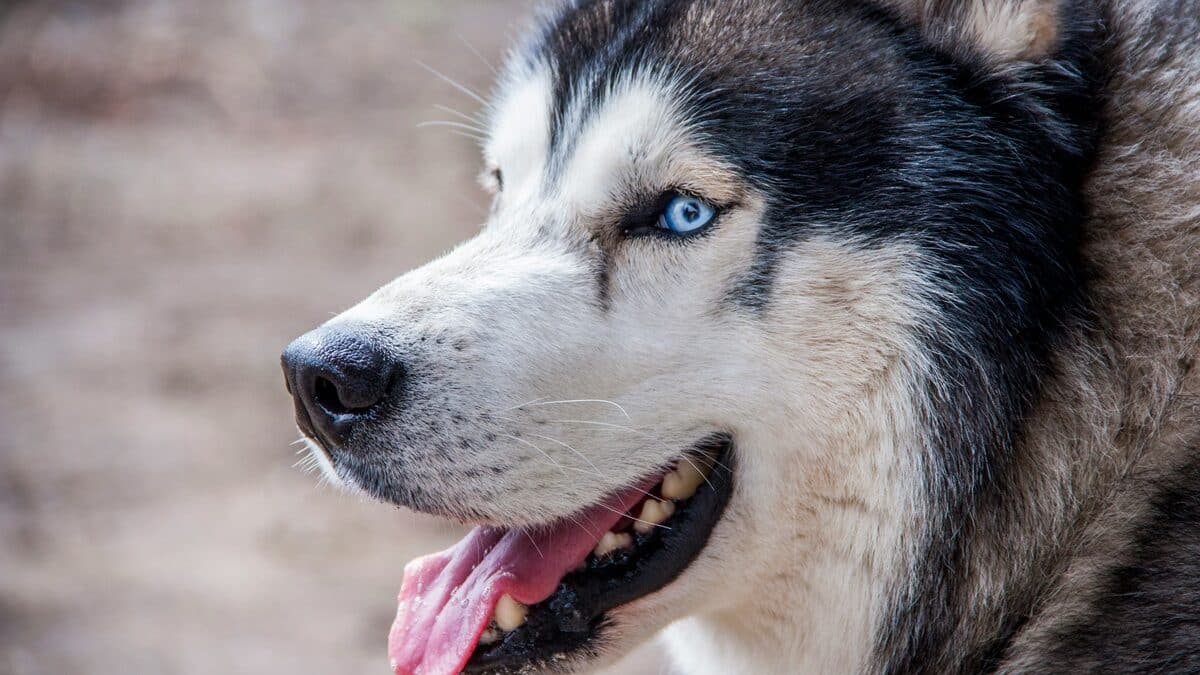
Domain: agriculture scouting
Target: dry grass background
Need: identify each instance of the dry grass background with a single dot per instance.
(184, 187)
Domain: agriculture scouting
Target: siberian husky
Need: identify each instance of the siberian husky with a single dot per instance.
(831, 336)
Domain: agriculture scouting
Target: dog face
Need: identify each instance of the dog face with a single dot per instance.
(558, 331)
(576, 291)
(711, 220)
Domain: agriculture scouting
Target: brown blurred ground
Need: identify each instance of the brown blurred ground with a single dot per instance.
(184, 186)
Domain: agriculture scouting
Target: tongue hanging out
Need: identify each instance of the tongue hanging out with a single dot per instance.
(480, 590)
(448, 598)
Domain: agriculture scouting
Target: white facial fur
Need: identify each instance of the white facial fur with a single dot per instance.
(530, 396)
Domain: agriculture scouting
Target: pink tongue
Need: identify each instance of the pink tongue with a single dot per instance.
(447, 599)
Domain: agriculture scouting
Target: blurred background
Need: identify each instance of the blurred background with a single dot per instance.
(186, 185)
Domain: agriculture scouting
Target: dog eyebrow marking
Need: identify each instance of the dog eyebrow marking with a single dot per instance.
(589, 47)
(618, 148)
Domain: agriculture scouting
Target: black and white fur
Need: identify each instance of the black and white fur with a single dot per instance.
(949, 313)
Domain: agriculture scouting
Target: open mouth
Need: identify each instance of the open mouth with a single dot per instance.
(506, 601)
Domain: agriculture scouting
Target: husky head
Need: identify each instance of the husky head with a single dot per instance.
(802, 258)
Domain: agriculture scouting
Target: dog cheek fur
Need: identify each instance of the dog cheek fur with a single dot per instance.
(833, 451)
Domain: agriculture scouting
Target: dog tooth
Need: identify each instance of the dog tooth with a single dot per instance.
(612, 541)
(491, 635)
(683, 482)
(654, 512)
(510, 614)
(673, 488)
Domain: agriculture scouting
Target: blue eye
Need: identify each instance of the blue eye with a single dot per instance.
(686, 214)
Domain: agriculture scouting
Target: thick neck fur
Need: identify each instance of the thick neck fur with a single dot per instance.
(1129, 410)
(1114, 416)
(1116, 412)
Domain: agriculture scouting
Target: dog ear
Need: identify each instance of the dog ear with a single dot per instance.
(999, 30)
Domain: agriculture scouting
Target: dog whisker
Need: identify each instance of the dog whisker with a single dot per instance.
(544, 453)
(452, 125)
(453, 83)
(577, 453)
(643, 434)
(591, 532)
(471, 48)
(464, 134)
(534, 543)
(534, 404)
(458, 113)
(517, 407)
(635, 519)
(597, 473)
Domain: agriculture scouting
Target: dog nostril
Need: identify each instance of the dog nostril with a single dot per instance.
(326, 395)
(337, 377)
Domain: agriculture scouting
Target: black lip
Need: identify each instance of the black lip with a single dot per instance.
(571, 622)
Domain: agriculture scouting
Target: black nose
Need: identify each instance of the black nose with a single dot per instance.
(336, 376)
